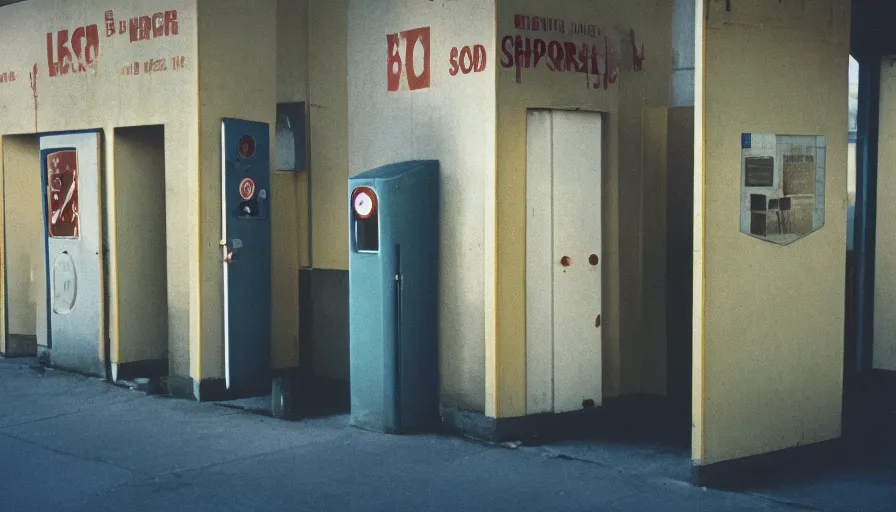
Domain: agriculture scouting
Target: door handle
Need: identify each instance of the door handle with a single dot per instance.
(234, 250)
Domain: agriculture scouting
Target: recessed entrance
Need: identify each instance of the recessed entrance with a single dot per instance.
(24, 265)
(140, 335)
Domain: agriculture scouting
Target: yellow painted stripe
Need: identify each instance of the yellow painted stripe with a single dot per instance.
(115, 316)
(491, 376)
(2, 250)
(698, 442)
(198, 281)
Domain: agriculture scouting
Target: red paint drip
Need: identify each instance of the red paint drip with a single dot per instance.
(34, 93)
(637, 57)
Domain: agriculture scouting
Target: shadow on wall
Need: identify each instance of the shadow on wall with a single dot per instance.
(24, 262)
(324, 340)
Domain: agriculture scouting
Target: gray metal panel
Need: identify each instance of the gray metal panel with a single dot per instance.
(75, 272)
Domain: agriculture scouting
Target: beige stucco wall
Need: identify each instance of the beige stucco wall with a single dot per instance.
(290, 215)
(885, 258)
(328, 115)
(103, 98)
(625, 345)
(292, 50)
(328, 174)
(235, 36)
(768, 324)
(454, 122)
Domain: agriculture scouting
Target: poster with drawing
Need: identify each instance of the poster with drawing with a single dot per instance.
(62, 194)
(782, 186)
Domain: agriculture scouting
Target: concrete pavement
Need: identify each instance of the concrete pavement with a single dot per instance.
(72, 443)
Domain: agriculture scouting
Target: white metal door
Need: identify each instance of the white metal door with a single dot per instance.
(563, 261)
(70, 164)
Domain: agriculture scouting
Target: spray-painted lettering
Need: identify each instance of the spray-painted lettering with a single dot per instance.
(562, 56)
(467, 60)
(133, 68)
(72, 55)
(154, 66)
(110, 24)
(538, 24)
(413, 72)
(637, 56)
(7, 77)
(144, 28)
(585, 29)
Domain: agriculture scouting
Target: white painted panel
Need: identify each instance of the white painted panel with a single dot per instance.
(75, 265)
(539, 307)
(577, 234)
(224, 249)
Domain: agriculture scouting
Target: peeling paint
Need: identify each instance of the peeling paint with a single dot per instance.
(73, 55)
(414, 72)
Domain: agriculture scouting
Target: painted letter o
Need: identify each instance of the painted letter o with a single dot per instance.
(466, 60)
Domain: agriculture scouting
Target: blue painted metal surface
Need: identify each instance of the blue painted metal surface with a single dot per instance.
(862, 353)
(393, 302)
(248, 238)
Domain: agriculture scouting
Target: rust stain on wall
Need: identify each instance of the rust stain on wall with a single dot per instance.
(34, 93)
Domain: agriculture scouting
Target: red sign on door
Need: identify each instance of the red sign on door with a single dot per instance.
(62, 194)
(247, 189)
(247, 147)
(407, 61)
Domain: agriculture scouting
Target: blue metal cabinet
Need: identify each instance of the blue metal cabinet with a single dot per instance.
(246, 181)
(394, 297)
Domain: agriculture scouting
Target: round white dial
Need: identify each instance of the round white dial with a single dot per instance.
(363, 204)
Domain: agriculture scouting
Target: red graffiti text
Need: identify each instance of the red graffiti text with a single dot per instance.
(110, 24)
(73, 55)
(144, 28)
(538, 24)
(585, 29)
(637, 56)
(34, 93)
(154, 66)
(7, 77)
(467, 60)
(561, 56)
(413, 46)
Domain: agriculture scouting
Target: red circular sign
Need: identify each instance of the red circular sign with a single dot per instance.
(364, 202)
(247, 147)
(247, 189)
